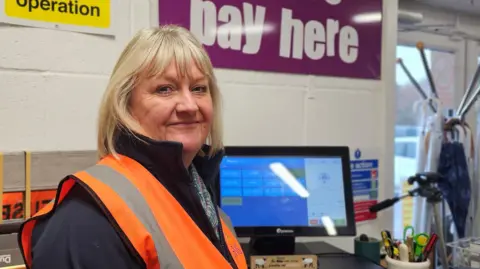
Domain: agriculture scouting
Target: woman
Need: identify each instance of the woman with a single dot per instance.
(149, 201)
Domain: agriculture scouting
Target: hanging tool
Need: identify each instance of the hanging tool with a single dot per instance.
(433, 89)
(473, 84)
(469, 103)
(415, 83)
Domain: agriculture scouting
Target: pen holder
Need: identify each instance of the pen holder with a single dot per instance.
(368, 248)
(396, 264)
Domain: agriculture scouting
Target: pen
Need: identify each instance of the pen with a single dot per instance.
(388, 235)
(429, 247)
(410, 246)
(396, 253)
(387, 242)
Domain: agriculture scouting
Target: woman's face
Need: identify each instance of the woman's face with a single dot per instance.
(174, 108)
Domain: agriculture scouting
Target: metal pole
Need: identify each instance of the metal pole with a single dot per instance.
(441, 239)
(415, 83)
(470, 103)
(472, 85)
(421, 48)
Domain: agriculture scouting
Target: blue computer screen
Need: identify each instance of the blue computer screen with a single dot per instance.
(282, 191)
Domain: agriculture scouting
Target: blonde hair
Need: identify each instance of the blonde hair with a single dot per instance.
(148, 54)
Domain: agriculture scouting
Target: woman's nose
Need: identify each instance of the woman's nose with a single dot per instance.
(187, 103)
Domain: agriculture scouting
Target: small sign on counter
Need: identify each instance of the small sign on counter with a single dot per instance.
(10, 254)
(288, 261)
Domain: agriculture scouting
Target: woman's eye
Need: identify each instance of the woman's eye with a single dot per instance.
(164, 90)
(200, 89)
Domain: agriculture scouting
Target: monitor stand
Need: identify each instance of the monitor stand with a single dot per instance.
(272, 245)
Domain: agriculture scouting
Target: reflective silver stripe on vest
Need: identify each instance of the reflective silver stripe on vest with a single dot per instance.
(226, 219)
(139, 206)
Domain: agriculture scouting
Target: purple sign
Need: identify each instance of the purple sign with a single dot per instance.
(340, 38)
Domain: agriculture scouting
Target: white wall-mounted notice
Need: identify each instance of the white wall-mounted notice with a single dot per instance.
(364, 165)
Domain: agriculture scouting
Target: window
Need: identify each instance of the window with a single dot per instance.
(406, 148)
(443, 73)
(442, 65)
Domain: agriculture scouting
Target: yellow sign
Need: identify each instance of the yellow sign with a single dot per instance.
(92, 13)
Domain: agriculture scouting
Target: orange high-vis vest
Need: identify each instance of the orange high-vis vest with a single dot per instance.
(157, 226)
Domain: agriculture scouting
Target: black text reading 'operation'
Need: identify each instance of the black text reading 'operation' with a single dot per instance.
(68, 7)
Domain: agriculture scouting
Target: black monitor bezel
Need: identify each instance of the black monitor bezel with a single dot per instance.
(304, 151)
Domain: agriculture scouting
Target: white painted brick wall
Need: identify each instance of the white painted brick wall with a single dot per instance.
(51, 83)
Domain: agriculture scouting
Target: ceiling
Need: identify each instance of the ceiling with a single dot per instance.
(467, 6)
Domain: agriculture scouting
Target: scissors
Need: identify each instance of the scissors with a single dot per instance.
(408, 231)
(421, 241)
